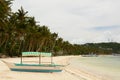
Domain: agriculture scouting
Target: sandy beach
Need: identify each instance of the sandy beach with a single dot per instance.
(70, 72)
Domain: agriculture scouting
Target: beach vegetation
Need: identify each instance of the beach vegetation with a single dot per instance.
(20, 32)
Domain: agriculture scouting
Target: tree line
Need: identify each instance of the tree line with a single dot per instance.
(20, 32)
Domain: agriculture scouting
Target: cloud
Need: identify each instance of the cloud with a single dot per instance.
(77, 21)
(104, 28)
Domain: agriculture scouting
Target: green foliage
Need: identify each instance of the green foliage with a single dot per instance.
(104, 48)
(19, 32)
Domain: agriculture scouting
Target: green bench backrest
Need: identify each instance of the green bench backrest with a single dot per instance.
(36, 54)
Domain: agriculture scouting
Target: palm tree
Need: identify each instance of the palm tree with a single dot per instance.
(21, 25)
(5, 12)
(17, 25)
(44, 36)
(53, 40)
(19, 32)
(31, 32)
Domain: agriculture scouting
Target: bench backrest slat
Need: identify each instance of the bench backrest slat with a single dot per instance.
(36, 54)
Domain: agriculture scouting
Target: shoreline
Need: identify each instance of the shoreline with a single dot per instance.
(98, 68)
(81, 73)
(6, 74)
(70, 72)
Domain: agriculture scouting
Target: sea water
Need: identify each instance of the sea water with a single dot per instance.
(106, 67)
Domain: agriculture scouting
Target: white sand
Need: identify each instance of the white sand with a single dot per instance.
(69, 72)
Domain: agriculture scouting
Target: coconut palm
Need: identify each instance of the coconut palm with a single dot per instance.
(44, 36)
(5, 12)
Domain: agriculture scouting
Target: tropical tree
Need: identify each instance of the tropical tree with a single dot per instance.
(5, 11)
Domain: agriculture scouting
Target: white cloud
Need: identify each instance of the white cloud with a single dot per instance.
(72, 20)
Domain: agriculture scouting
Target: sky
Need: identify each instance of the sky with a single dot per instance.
(76, 21)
